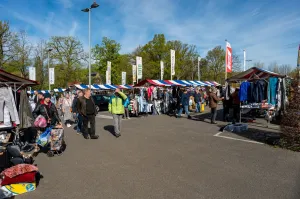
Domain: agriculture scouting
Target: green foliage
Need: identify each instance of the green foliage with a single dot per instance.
(107, 51)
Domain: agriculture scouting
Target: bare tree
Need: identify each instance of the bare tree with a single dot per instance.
(274, 67)
(258, 64)
(40, 55)
(285, 69)
(69, 53)
(22, 54)
(7, 43)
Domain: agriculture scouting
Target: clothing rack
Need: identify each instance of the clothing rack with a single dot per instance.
(15, 88)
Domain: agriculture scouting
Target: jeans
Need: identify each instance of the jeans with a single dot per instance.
(86, 120)
(186, 109)
(126, 113)
(117, 123)
(79, 122)
(198, 107)
(6, 99)
(213, 115)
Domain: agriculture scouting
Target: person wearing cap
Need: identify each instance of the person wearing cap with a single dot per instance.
(48, 110)
(40, 97)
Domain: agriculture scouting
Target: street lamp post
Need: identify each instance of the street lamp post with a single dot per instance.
(94, 5)
(49, 50)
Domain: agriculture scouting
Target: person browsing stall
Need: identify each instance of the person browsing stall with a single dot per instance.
(116, 108)
(48, 110)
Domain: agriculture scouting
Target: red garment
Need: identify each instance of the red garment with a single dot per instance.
(18, 170)
(23, 178)
(149, 91)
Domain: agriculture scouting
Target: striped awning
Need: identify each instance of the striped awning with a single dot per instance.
(57, 90)
(126, 86)
(254, 73)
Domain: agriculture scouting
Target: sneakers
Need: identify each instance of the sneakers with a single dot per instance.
(69, 125)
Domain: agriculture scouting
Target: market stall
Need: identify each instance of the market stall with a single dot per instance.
(261, 90)
(15, 119)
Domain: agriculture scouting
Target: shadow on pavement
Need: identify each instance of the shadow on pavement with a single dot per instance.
(266, 136)
(110, 128)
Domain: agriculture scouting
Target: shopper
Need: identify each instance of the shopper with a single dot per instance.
(87, 110)
(198, 99)
(76, 113)
(126, 111)
(213, 103)
(184, 104)
(48, 110)
(236, 105)
(67, 110)
(116, 108)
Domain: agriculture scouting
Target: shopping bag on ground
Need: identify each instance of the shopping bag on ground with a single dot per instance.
(44, 137)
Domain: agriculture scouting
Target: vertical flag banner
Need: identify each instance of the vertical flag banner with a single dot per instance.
(107, 77)
(298, 62)
(133, 73)
(162, 70)
(123, 78)
(108, 73)
(139, 66)
(32, 75)
(51, 76)
(172, 62)
(228, 58)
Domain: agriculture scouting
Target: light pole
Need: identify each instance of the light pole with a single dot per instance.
(245, 60)
(94, 5)
(49, 50)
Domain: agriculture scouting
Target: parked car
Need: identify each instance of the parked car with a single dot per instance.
(101, 102)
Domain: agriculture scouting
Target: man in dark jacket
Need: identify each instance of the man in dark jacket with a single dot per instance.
(184, 104)
(74, 110)
(198, 100)
(87, 110)
(48, 110)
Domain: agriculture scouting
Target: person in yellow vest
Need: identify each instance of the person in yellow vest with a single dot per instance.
(116, 108)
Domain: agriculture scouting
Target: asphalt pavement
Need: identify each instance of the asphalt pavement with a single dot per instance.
(164, 157)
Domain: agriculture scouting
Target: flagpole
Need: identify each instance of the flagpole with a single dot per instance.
(225, 59)
(244, 60)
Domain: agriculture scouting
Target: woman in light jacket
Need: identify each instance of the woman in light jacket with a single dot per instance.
(67, 110)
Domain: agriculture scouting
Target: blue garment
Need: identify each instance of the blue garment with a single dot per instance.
(186, 109)
(272, 90)
(244, 91)
(185, 98)
(126, 102)
(198, 107)
(79, 123)
(197, 97)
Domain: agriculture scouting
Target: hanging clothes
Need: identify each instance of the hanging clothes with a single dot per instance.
(272, 90)
(279, 95)
(227, 91)
(25, 113)
(244, 89)
(261, 90)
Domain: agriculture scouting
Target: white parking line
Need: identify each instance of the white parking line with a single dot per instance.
(231, 138)
(104, 116)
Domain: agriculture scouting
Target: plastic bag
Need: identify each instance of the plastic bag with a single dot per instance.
(44, 137)
(40, 121)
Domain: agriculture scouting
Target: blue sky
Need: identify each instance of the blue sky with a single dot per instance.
(269, 30)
